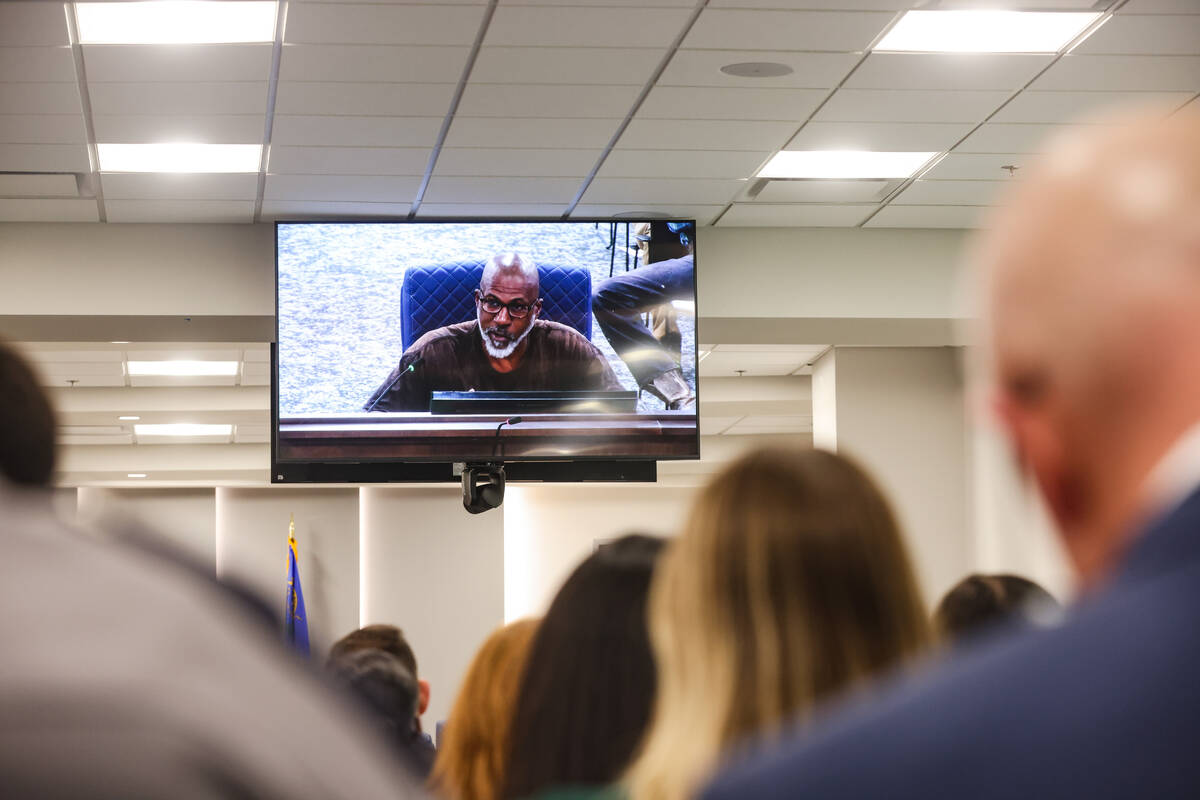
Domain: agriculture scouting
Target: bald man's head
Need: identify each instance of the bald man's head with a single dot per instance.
(514, 267)
(1093, 290)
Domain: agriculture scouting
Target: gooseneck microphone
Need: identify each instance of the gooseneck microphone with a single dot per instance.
(411, 368)
(509, 421)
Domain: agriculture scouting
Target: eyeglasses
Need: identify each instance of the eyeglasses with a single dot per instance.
(517, 309)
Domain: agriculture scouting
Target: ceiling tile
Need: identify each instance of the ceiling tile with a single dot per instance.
(703, 214)
(823, 191)
(736, 29)
(809, 70)
(754, 362)
(652, 134)
(229, 97)
(1158, 7)
(1123, 73)
(159, 186)
(553, 26)
(970, 166)
(336, 62)
(494, 100)
(356, 131)
(502, 190)
(627, 191)
(795, 215)
(849, 5)
(892, 105)
(947, 71)
(928, 217)
(525, 132)
(622, 163)
(606, 3)
(350, 23)
(44, 158)
(901, 136)
(1158, 35)
(37, 64)
(514, 163)
(49, 211)
(170, 63)
(364, 99)
(952, 193)
(314, 209)
(677, 102)
(179, 211)
(33, 24)
(42, 129)
(286, 159)
(39, 98)
(38, 185)
(215, 129)
(449, 210)
(1007, 138)
(612, 66)
(1036, 107)
(360, 188)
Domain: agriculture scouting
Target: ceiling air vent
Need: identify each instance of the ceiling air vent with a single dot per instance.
(39, 184)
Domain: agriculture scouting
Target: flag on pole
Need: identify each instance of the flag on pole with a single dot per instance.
(295, 620)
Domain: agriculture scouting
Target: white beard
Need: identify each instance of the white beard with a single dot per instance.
(502, 352)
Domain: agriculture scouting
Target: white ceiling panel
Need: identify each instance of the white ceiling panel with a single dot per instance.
(947, 71)
(701, 213)
(86, 439)
(213, 128)
(823, 191)
(514, 163)
(1159, 35)
(167, 186)
(606, 3)
(524, 132)
(42, 129)
(805, 351)
(44, 158)
(246, 434)
(952, 193)
(87, 381)
(680, 102)
(809, 70)
(502, 190)
(351, 23)
(339, 62)
(928, 217)
(555, 26)
(1010, 138)
(494, 100)
(37, 64)
(1159, 7)
(81, 369)
(435, 210)
(849, 5)
(1123, 73)
(365, 99)
(362, 188)
(304, 209)
(49, 211)
(892, 105)
(38, 185)
(623, 163)
(900, 137)
(348, 160)
(976, 167)
(612, 66)
(179, 211)
(228, 97)
(189, 63)
(33, 24)
(356, 131)
(791, 215)
(754, 362)
(655, 134)
(1035, 107)
(39, 98)
(736, 29)
(661, 191)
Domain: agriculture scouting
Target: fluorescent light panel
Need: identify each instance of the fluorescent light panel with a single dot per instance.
(843, 164)
(170, 22)
(183, 429)
(985, 31)
(179, 157)
(183, 368)
(129, 419)
(136, 475)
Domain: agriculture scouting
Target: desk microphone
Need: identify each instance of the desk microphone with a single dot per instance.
(412, 367)
(509, 421)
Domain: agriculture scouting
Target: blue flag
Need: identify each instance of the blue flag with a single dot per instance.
(295, 619)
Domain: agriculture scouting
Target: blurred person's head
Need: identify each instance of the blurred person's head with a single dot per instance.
(1092, 271)
(389, 639)
(385, 685)
(789, 583)
(27, 424)
(474, 745)
(979, 602)
(589, 681)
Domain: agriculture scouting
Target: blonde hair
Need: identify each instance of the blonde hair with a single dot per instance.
(474, 748)
(789, 583)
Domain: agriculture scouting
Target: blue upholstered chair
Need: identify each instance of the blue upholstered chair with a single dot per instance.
(434, 296)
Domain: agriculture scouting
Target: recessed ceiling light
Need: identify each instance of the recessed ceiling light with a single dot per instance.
(985, 31)
(136, 475)
(757, 69)
(843, 164)
(183, 368)
(179, 157)
(183, 429)
(171, 22)
(118, 342)
(128, 419)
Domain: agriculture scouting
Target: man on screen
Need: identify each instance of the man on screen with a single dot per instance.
(505, 348)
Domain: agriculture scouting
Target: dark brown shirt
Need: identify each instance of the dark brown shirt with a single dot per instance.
(557, 358)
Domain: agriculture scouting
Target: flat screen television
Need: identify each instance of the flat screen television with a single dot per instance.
(564, 349)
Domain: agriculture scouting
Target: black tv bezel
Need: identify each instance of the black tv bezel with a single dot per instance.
(428, 470)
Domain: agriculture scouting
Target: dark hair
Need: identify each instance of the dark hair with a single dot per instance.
(980, 601)
(387, 638)
(27, 424)
(589, 682)
(381, 681)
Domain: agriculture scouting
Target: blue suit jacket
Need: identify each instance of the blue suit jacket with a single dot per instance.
(1105, 706)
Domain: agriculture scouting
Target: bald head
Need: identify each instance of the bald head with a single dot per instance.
(514, 269)
(1093, 311)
